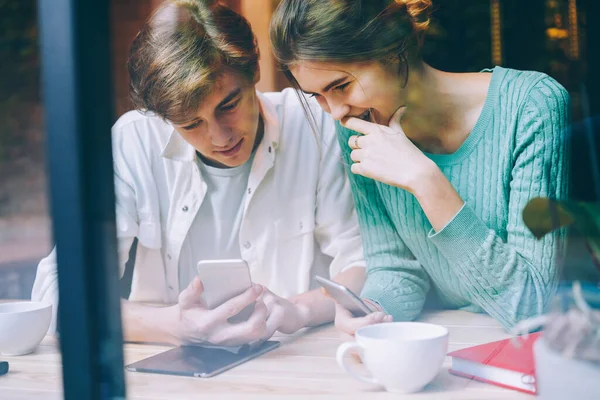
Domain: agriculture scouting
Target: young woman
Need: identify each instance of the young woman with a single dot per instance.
(441, 164)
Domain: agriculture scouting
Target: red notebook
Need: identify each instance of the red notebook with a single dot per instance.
(499, 363)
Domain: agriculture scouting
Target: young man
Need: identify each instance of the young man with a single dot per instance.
(215, 170)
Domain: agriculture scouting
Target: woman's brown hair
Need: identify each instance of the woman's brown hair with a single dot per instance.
(180, 52)
(346, 31)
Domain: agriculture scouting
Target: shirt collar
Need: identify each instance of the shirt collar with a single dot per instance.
(178, 149)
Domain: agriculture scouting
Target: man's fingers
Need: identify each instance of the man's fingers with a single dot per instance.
(276, 318)
(248, 331)
(233, 306)
(191, 295)
(269, 298)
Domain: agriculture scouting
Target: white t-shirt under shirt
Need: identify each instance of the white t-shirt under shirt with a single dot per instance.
(215, 232)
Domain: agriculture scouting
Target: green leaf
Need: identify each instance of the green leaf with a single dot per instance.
(542, 215)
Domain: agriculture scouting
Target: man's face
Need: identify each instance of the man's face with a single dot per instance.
(225, 126)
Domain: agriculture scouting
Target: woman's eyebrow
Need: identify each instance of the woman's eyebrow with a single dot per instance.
(329, 86)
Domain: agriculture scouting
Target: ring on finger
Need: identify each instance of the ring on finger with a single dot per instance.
(355, 144)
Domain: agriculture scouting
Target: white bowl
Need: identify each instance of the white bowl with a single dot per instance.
(23, 325)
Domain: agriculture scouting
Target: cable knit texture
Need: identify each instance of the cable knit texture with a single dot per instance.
(484, 259)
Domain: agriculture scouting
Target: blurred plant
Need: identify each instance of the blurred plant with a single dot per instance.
(572, 326)
(543, 215)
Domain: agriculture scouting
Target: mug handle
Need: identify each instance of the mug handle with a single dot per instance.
(342, 351)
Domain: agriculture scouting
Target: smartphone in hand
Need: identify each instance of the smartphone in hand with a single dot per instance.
(223, 280)
(345, 297)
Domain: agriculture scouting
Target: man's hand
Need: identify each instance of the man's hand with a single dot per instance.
(284, 316)
(190, 322)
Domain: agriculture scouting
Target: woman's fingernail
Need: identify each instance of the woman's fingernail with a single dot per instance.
(258, 288)
(388, 318)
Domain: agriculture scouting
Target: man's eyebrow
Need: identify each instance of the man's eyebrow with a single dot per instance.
(229, 97)
(226, 100)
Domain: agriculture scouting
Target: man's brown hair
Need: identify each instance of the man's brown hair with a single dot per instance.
(180, 52)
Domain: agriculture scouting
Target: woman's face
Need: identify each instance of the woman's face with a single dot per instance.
(353, 89)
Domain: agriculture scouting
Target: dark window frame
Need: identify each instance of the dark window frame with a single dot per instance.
(77, 94)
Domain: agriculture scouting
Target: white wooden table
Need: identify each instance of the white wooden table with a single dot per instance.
(303, 366)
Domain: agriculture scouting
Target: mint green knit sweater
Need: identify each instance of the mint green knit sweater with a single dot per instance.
(484, 259)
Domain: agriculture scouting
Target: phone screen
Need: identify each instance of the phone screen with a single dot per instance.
(199, 361)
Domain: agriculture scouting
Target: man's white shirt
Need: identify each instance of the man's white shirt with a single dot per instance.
(215, 232)
(298, 218)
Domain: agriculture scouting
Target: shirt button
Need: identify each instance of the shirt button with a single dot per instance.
(249, 191)
(247, 245)
(168, 256)
(301, 226)
(185, 208)
(170, 287)
(270, 149)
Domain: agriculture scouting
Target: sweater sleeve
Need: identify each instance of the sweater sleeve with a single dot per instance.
(395, 279)
(513, 279)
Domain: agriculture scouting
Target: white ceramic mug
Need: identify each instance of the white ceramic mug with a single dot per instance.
(401, 356)
(23, 325)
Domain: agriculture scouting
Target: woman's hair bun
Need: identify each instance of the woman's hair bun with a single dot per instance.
(419, 11)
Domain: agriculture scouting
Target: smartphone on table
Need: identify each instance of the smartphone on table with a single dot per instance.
(345, 297)
(223, 280)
